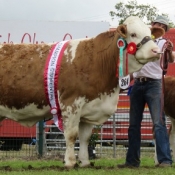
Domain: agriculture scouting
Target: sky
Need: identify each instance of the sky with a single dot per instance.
(72, 10)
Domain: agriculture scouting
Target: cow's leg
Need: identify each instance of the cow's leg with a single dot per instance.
(85, 131)
(155, 151)
(172, 137)
(71, 134)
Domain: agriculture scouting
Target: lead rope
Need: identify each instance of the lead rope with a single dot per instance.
(164, 57)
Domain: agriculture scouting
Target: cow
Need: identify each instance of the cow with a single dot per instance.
(88, 81)
(169, 101)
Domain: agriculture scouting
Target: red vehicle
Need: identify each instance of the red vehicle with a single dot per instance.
(12, 134)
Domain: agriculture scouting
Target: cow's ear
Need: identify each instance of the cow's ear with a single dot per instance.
(122, 30)
(157, 32)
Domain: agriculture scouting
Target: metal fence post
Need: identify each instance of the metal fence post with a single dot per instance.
(114, 137)
(40, 137)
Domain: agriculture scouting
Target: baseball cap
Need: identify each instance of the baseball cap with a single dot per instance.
(162, 20)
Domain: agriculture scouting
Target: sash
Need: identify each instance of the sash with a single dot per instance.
(51, 74)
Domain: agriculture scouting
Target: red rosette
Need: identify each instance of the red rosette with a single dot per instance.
(121, 43)
(131, 48)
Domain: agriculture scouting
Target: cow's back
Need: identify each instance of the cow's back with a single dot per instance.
(21, 74)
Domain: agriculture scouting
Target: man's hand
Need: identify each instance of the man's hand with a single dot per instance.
(169, 46)
(131, 77)
(169, 50)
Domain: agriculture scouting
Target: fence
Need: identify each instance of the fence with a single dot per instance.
(112, 135)
(45, 139)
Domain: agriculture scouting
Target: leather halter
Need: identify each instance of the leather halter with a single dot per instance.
(144, 40)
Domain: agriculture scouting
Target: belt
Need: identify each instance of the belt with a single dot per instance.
(144, 79)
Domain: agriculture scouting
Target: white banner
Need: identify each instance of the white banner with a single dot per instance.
(48, 31)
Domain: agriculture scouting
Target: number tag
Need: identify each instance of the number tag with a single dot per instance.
(124, 82)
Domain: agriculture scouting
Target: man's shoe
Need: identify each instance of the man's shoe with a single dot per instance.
(126, 166)
(164, 165)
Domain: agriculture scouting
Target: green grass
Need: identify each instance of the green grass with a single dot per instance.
(101, 167)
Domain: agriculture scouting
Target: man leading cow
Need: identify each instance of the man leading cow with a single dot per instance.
(147, 88)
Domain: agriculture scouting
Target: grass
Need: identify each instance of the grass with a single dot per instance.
(102, 167)
(25, 162)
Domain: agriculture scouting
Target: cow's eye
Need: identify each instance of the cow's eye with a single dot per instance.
(133, 35)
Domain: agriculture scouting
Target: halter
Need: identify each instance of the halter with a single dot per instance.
(144, 40)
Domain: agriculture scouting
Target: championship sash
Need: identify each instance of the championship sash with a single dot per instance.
(51, 74)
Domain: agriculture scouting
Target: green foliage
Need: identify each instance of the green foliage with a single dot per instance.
(95, 136)
(145, 12)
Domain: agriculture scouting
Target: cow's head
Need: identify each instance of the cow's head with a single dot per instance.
(133, 30)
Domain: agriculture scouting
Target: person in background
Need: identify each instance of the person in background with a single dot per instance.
(147, 88)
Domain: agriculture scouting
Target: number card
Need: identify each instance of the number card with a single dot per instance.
(124, 82)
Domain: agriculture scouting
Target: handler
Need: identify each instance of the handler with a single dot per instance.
(147, 88)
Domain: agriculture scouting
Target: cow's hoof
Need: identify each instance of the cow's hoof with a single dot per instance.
(71, 166)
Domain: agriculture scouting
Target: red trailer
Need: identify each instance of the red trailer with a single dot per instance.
(13, 135)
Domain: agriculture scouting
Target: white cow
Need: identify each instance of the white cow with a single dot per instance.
(88, 87)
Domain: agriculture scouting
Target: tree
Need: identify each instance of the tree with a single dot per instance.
(145, 12)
